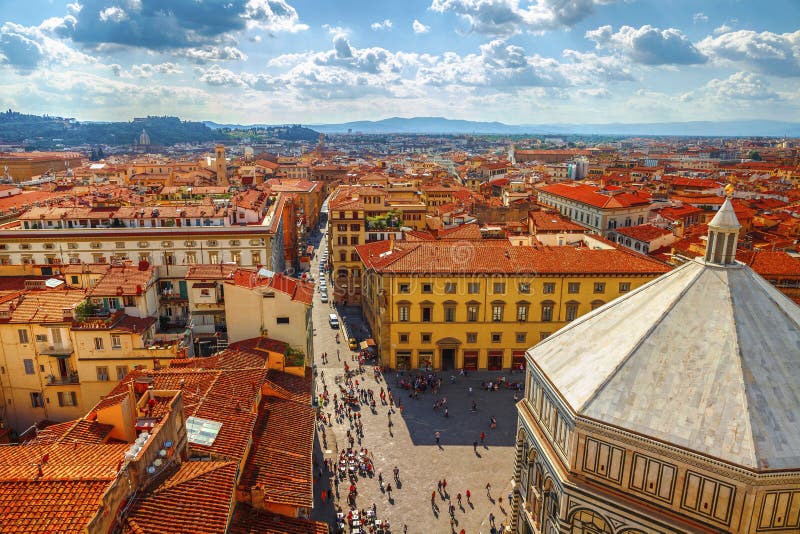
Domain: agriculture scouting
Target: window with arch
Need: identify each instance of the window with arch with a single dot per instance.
(572, 310)
(596, 304)
(547, 310)
(588, 522)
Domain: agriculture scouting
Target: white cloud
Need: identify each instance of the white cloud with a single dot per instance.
(272, 16)
(147, 70)
(385, 25)
(113, 14)
(740, 87)
(777, 54)
(420, 27)
(648, 45)
(589, 68)
(74, 8)
(699, 17)
(212, 53)
(722, 29)
(507, 17)
(26, 47)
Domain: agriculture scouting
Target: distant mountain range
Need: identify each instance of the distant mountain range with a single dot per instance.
(440, 125)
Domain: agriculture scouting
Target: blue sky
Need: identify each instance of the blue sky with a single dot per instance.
(515, 61)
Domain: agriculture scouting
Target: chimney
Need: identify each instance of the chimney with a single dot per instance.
(391, 241)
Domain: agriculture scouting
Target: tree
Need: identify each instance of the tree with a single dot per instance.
(754, 155)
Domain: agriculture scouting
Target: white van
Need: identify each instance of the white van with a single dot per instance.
(333, 320)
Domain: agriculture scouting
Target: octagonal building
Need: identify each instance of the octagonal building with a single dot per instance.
(675, 408)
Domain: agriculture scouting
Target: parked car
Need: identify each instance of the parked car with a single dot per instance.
(352, 343)
(324, 297)
(333, 320)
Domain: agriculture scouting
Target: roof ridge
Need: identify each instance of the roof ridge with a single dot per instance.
(644, 336)
(200, 469)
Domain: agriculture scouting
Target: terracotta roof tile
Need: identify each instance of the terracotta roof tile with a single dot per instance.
(499, 256)
(280, 461)
(643, 232)
(49, 506)
(195, 499)
(46, 305)
(124, 280)
(248, 520)
(595, 196)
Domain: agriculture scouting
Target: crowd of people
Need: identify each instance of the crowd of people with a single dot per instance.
(354, 465)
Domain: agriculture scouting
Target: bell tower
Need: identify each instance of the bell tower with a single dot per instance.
(221, 165)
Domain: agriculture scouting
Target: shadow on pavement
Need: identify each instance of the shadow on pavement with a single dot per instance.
(462, 426)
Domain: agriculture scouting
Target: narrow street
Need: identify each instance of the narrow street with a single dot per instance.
(410, 443)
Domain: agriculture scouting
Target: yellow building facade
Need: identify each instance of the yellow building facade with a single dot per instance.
(361, 214)
(54, 367)
(481, 304)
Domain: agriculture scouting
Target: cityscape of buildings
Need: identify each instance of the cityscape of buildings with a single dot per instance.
(584, 319)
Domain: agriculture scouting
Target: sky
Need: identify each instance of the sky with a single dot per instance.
(327, 61)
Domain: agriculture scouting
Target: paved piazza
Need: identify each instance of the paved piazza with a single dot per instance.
(411, 446)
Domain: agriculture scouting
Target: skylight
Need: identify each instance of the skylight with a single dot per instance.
(202, 431)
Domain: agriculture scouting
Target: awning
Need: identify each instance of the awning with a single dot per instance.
(370, 342)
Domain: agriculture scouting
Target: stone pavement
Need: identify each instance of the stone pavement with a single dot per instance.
(411, 444)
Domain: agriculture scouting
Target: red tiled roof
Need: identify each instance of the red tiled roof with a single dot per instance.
(285, 476)
(643, 232)
(49, 506)
(597, 197)
(248, 520)
(195, 499)
(298, 290)
(771, 264)
(46, 305)
(499, 256)
(467, 231)
(553, 222)
(124, 280)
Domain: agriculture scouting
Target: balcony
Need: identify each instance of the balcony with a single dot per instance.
(58, 349)
(72, 378)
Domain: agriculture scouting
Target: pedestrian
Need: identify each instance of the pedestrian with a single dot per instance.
(433, 498)
(493, 423)
(488, 488)
(468, 494)
(437, 437)
(474, 406)
(389, 490)
(444, 485)
(475, 447)
(458, 498)
(439, 486)
(491, 518)
(483, 437)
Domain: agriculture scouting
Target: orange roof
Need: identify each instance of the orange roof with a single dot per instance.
(52, 506)
(598, 197)
(194, 499)
(643, 232)
(298, 290)
(553, 222)
(283, 426)
(499, 256)
(249, 520)
(124, 280)
(771, 264)
(46, 305)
